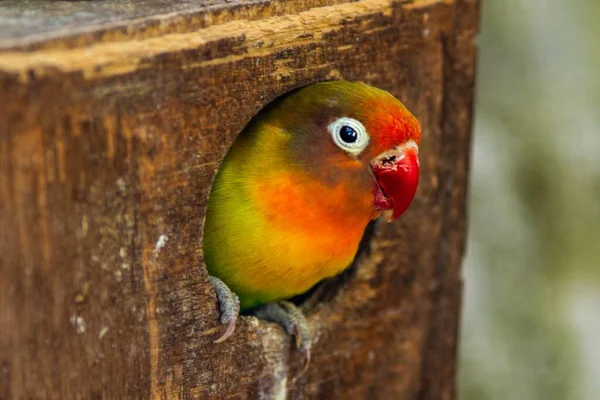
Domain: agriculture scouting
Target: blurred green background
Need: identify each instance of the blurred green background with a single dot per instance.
(531, 316)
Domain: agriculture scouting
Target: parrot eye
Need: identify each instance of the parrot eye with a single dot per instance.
(349, 135)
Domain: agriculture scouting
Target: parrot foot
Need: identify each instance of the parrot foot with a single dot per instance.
(229, 305)
(294, 322)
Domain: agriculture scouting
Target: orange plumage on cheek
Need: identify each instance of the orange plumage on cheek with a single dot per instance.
(308, 202)
(329, 217)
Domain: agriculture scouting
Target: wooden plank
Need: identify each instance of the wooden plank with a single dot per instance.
(35, 24)
(110, 134)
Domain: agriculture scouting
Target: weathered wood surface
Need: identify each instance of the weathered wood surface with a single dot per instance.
(112, 125)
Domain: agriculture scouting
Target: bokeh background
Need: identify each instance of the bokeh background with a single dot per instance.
(531, 317)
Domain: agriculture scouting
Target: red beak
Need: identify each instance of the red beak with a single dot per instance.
(397, 176)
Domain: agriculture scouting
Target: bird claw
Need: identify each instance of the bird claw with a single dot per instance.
(229, 305)
(292, 319)
(228, 331)
(306, 354)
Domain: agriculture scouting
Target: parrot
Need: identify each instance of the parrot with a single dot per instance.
(291, 200)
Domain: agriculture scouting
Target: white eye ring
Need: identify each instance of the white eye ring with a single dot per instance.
(339, 132)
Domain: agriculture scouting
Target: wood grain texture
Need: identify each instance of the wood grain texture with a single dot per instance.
(110, 135)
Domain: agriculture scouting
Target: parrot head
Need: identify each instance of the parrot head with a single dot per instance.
(353, 136)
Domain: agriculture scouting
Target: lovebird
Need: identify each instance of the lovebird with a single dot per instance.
(294, 194)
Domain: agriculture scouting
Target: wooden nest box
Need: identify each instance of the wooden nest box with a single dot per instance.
(113, 121)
